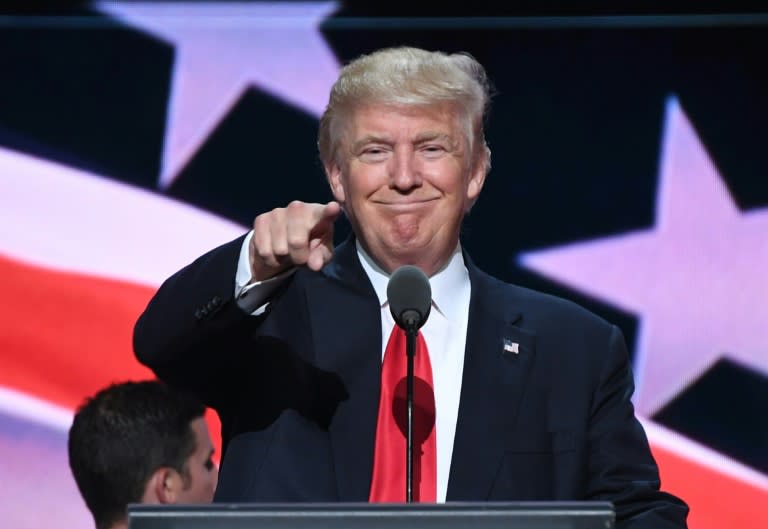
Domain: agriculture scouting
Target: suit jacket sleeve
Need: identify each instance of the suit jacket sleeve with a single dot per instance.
(192, 333)
(621, 467)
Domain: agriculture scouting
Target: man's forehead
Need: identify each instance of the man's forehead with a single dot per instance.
(387, 121)
(443, 111)
(416, 136)
(202, 434)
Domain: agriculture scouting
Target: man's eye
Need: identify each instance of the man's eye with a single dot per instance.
(375, 149)
(209, 465)
(433, 150)
(373, 154)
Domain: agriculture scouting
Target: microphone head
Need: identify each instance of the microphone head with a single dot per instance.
(410, 297)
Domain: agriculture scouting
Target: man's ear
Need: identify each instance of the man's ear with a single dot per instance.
(164, 486)
(477, 176)
(333, 173)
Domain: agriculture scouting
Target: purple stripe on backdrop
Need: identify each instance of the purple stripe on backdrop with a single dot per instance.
(36, 487)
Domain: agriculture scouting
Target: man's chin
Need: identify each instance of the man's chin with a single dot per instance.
(414, 251)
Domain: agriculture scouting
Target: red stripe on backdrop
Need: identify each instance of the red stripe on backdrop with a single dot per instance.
(717, 501)
(64, 336)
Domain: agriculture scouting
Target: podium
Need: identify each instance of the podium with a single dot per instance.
(485, 515)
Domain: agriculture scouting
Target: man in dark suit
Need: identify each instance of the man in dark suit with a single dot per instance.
(520, 395)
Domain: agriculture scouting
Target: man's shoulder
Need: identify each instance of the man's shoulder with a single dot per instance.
(535, 305)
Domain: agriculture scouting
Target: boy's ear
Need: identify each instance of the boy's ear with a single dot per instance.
(163, 486)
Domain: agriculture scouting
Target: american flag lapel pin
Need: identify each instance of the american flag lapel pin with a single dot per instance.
(511, 347)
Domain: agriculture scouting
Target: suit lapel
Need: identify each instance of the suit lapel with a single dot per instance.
(492, 387)
(346, 328)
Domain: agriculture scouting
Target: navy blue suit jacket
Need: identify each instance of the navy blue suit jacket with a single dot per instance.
(297, 390)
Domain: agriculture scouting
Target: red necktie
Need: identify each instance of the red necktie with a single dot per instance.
(388, 482)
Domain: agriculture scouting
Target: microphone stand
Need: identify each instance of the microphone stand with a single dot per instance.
(410, 298)
(410, 350)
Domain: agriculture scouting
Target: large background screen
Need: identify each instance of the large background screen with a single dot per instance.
(630, 174)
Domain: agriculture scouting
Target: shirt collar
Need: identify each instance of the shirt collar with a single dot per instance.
(447, 281)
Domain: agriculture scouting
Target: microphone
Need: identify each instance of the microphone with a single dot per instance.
(410, 300)
(410, 297)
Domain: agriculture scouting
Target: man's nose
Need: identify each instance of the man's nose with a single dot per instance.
(404, 173)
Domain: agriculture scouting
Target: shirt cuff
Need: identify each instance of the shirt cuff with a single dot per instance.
(253, 297)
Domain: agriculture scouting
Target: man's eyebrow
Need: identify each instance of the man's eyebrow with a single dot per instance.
(431, 136)
(420, 138)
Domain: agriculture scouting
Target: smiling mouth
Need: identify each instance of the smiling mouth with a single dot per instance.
(407, 204)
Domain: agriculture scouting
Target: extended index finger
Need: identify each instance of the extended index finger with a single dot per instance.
(324, 218)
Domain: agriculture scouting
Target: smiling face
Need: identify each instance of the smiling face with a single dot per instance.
(405, 178)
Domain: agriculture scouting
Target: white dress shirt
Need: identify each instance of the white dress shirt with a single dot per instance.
(445, 333)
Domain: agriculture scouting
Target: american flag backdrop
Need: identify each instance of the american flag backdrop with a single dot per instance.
(630, 174)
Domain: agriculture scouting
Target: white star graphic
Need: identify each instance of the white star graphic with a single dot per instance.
(221, 49)
(697, 279)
